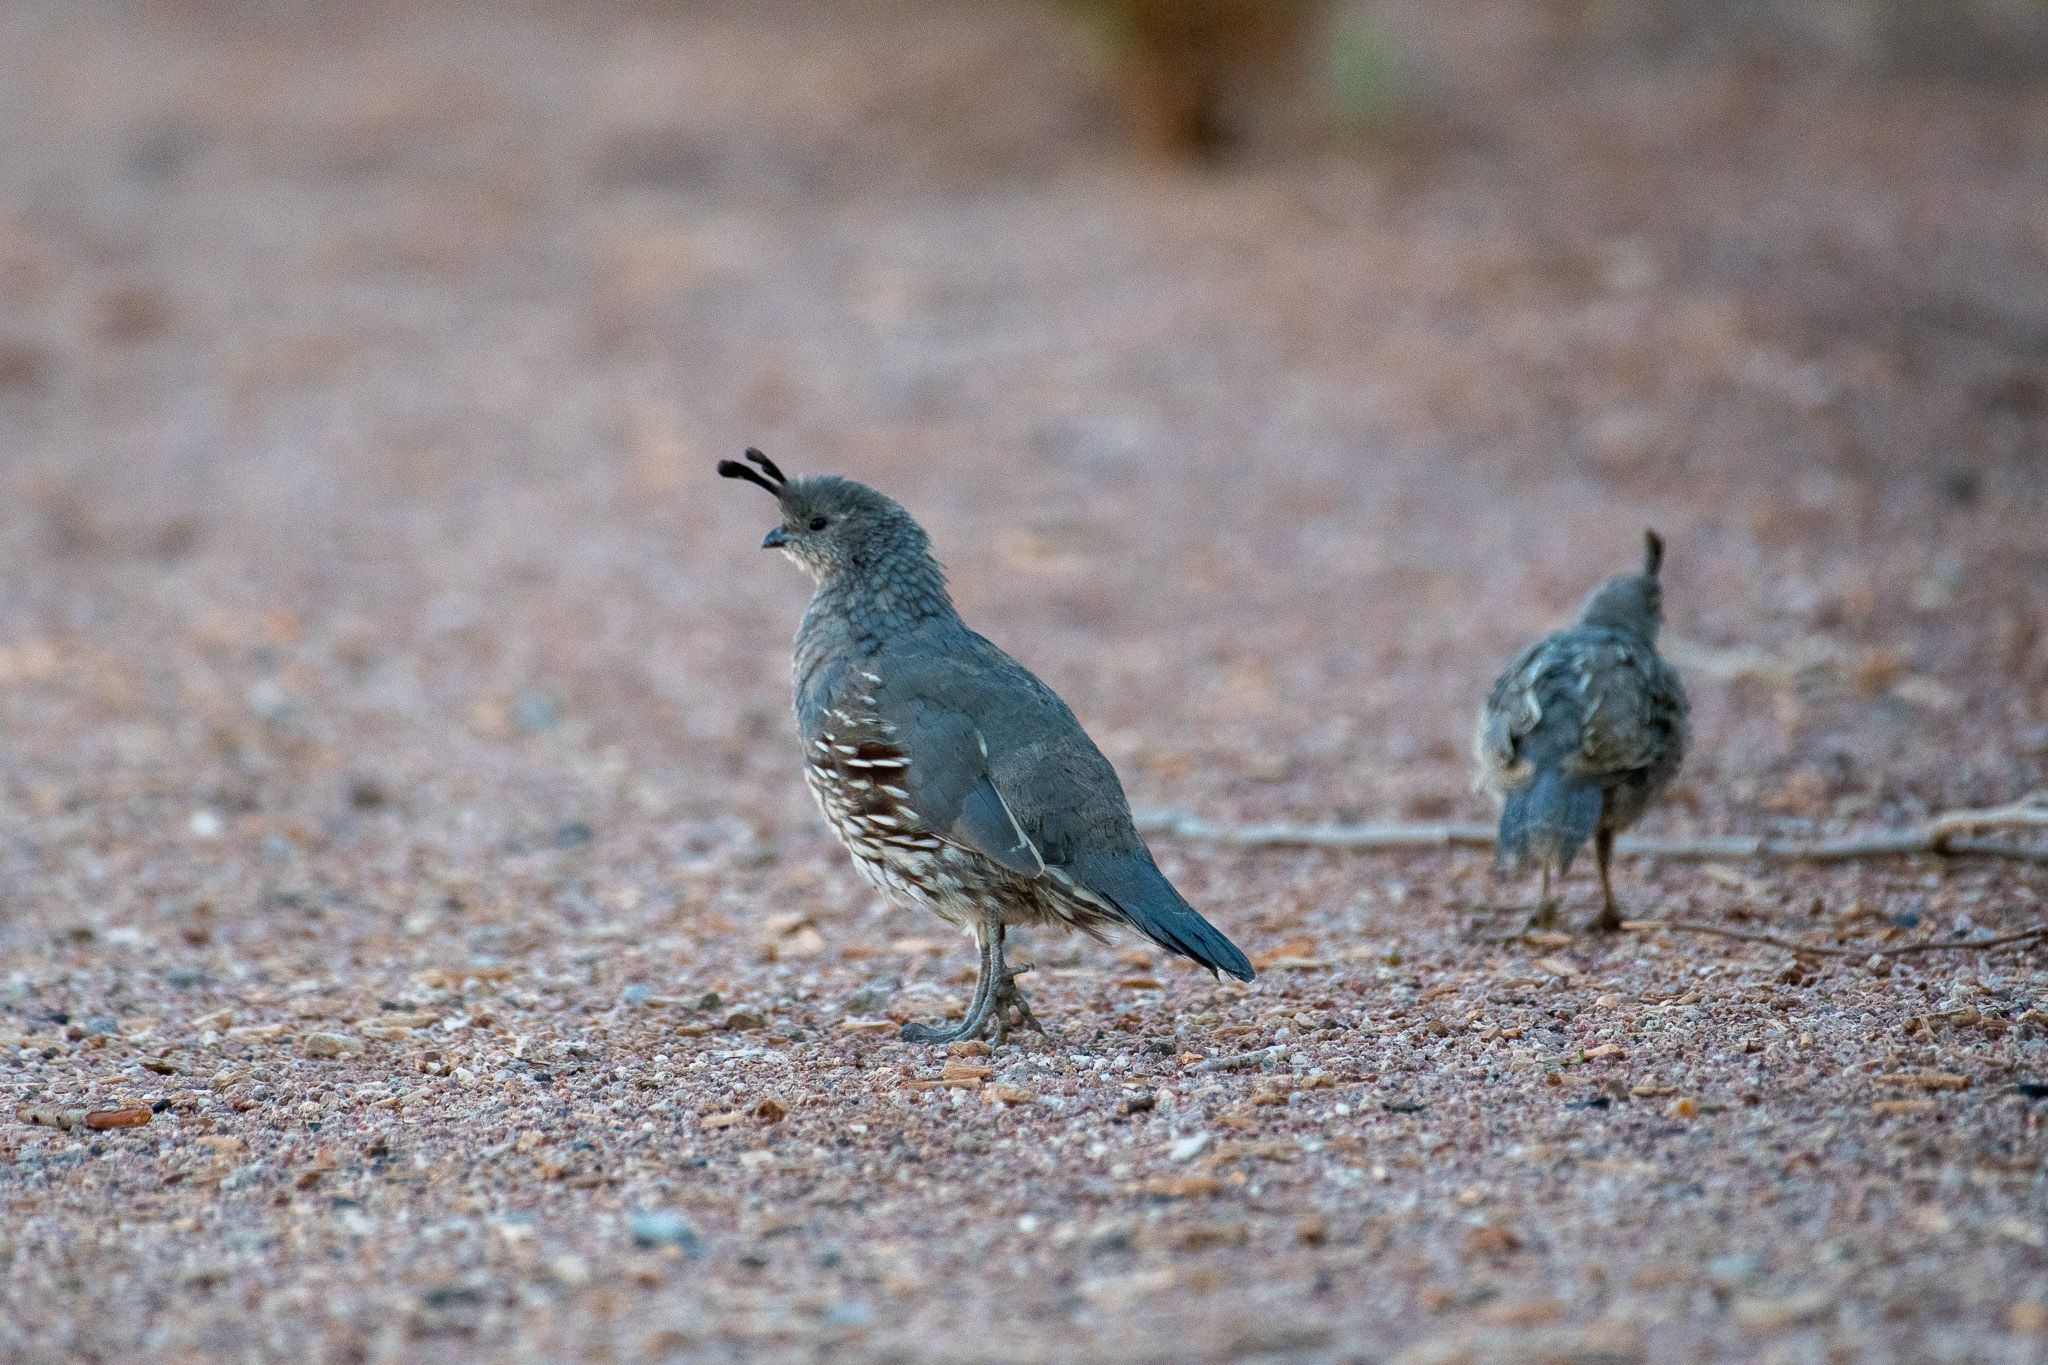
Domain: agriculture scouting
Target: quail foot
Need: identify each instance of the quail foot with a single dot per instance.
(1582, 732)
(957, 780)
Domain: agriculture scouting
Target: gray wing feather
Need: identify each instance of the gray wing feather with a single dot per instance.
(997, 761)
(1599, 704)
(1632, 702)
(1511, 713)
(986, 824)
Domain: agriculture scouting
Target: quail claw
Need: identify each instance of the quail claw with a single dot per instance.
(1026, 1019)
(932, 1033)
(1008, 998)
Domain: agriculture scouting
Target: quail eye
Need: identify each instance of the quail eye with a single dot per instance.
(820, 523)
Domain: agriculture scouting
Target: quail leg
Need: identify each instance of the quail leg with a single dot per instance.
(989, 939)
(1609, 918)
(1008, 997)
(1545, 913)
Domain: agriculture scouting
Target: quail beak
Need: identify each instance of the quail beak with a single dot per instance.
(774, 540)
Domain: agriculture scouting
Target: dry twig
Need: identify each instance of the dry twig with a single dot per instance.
(99, 1120)
(1237, 1061)
(1938, 945)
(1947, 835)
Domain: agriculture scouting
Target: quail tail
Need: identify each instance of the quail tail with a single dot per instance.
(1548, 819)
(1136, 886)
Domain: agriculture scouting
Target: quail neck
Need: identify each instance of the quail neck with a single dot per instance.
(878, 594)
(1632, 604)
(879, 589)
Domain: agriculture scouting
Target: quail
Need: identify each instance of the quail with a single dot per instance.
(1582, 732)
(956, 779)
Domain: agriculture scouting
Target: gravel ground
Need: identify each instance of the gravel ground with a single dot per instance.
(400, 796)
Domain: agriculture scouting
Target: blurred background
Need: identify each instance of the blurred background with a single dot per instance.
(375, 636)
(1265, 369)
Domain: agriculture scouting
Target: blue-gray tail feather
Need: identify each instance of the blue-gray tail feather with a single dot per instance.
(1548, 819)
(1135, 886)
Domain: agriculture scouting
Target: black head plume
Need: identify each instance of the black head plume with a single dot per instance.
(1653, 553)
(770, 477)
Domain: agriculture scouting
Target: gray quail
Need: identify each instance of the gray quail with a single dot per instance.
(957, 780)
(1582, 732)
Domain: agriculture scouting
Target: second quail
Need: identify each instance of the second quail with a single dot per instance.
(1582, 732)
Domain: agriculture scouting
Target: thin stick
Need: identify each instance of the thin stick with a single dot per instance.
(1942, 836)
(1239, 1060)
(1939, 945)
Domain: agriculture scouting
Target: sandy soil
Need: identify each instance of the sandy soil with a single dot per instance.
(399, 786)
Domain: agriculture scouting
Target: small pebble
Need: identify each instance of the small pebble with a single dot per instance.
(330, 1045)
(663, 1228)
(536, 711)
